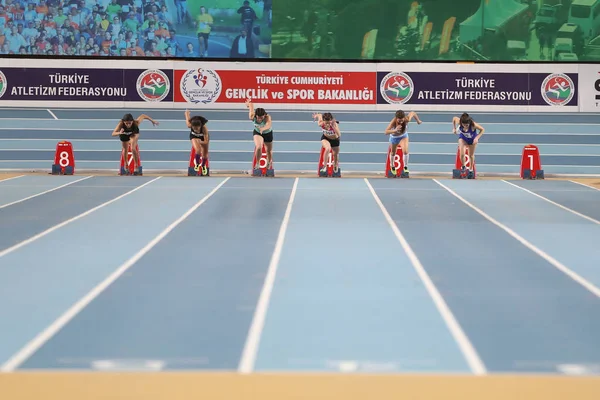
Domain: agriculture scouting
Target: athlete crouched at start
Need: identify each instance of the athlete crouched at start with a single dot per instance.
(128, 130)
(200, 138)
(468, 137)
(262, 134)
(398, 131)
(330, 138)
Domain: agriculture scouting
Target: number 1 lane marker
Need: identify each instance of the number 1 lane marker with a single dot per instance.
(30, 348)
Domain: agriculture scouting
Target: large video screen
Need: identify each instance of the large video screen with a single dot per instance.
(415, 30)
(137, 28)
(426, 30)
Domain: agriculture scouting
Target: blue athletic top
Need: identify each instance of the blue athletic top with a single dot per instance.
(470, 133)
(258, 125)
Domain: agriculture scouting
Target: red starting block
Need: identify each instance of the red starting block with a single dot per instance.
(398, 164)
(192, 171)
(457, 172)
(330, 164)
(130, 169)
(531, 164)
(262, 165)
(64, 162)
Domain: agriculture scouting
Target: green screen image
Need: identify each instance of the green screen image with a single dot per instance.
(428, 30)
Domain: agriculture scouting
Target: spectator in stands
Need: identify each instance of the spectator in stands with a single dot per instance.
(248, 16)
(242, 46)
(203, 24)
(129, 28)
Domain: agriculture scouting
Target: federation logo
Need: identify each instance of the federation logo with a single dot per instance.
(558, 89)
(2, 84)
(200, 86)
(396, 88)
(153, 85)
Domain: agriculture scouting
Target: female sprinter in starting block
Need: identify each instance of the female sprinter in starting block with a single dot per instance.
(128, 130)
(330, 139)
(199, 137)
(263, 134)
(467, 136)
(399, 136)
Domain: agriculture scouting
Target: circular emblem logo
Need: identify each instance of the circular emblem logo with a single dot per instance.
(558, 89)
(200, 86)
(396, 88)
(153, 85)
(2, 83)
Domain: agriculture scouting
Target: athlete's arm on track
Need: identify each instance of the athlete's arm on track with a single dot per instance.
(187, 119)
(414, 115)
(336, 128)
(250, 108)
(206, 134)
(118, 130)
(318, 117)
(267, 124)
(391, 128)
(455, 120)
(142, 117)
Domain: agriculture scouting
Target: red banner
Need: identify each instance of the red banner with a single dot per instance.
(205, 86)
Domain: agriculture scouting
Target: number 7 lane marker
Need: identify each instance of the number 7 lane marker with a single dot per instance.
(44, 192)
(30, 348)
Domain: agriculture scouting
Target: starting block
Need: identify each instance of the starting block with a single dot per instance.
(457, 172)
(64, 162)
(329, 171)
(398, 164)
(262, 165)
(192, 165)
(531, 164)
(130, 169)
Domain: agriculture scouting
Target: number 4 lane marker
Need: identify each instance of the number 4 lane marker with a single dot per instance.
(37, 342)
(555, 263)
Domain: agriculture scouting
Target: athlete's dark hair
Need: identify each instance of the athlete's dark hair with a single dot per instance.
(400, 114)
(198, 121)
(466, 119)
(327, 116)
(260, 112)
(127, 117)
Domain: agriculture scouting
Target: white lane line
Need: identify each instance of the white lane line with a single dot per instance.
(44, 192)
(555, 203)
(555, 263)
(250, 351)
(64, 319)
(456, 330)
(55, 227)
